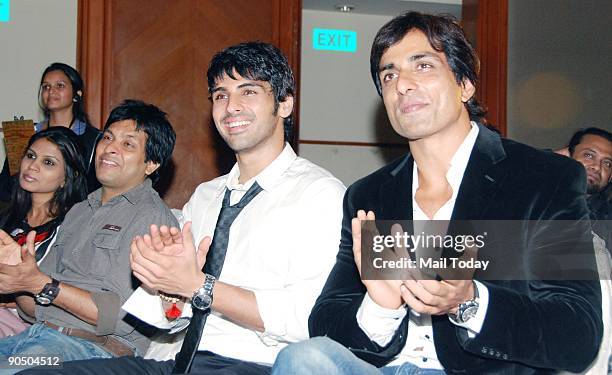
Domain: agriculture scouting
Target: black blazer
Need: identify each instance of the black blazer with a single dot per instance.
(530, 326)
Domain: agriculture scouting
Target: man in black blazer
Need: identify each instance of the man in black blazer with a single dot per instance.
(457, 169)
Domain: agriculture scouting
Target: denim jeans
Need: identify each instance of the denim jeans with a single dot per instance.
(321, 355)
(41, 341)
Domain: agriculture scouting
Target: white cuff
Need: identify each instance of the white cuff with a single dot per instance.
(377, 322)
(474, 325)
(274, 309)
(146, 305)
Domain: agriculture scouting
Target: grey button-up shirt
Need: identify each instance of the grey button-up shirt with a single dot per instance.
(92, 252)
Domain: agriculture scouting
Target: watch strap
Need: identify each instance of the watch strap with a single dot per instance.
(48, 293)
(205, 290)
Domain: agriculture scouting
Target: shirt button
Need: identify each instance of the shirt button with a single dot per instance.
(424, 359)
(427, 337)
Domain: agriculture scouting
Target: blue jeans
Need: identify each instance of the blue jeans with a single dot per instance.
(321, 355)
(41, 341)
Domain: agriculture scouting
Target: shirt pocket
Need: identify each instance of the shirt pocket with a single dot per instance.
(107, 250)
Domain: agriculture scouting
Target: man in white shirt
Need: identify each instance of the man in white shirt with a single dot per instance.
(281, 246)
(457, 169)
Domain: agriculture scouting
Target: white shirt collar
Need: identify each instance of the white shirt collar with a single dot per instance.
(455, 172)
(269, 177)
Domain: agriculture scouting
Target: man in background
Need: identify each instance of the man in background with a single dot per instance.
(592, 147)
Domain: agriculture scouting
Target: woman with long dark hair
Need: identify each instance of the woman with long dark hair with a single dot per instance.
(51, 180)
(61, 98)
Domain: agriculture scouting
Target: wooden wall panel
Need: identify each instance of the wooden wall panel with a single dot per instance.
(93, 56)
(159, 50)
(288, 35)
(486, 25)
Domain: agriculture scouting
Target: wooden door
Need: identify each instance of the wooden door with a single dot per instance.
(158, 51)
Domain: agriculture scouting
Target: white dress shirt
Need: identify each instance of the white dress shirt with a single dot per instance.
(282, 247)
(380, 323)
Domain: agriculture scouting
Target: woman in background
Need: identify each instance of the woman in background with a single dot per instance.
(61, 99)
(51, 180)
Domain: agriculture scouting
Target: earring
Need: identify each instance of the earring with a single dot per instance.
(74, 100)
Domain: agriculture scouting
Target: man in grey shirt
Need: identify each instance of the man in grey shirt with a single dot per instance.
(74, 296)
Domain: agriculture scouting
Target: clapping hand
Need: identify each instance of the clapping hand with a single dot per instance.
(166, 260)
(10, 250)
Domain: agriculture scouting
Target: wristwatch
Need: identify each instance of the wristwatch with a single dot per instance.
(48, 293)
(466, 310)
(203, 297)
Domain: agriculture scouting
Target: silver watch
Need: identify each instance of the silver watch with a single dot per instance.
(466, 310)
(203, 297)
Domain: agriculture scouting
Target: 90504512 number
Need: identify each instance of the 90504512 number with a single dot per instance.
(31, 360)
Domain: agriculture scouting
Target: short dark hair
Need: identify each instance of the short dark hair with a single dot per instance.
(78, 105)
(445, 35)
(74, 188)
(577, 137)
(160, 134)
(257, 61)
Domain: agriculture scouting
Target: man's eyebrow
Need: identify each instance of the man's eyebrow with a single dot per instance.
(597, 152)
(386, 67)
(422, 55)
(415, 57)
(251, 84)
(243, 85)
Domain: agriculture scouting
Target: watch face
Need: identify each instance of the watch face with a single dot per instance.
(469, 313)
(48, 294)
(43, 300)
(201, 302)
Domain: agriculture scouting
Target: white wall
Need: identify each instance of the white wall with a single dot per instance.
(39, 32)
(339, 101)
(559, 75)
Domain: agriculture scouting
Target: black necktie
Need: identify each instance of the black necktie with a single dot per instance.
(213, 266)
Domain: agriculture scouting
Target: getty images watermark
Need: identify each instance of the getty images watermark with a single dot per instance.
(435, 242)
(487, 250)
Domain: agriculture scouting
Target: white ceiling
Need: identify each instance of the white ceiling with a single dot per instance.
(387, 7)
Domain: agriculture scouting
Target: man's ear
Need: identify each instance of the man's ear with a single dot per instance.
(151, 167)
(467, 90)
(285, 107)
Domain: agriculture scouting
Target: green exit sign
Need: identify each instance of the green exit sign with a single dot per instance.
(334, 40)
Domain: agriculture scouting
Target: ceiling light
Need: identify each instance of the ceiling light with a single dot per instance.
(345, 8)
